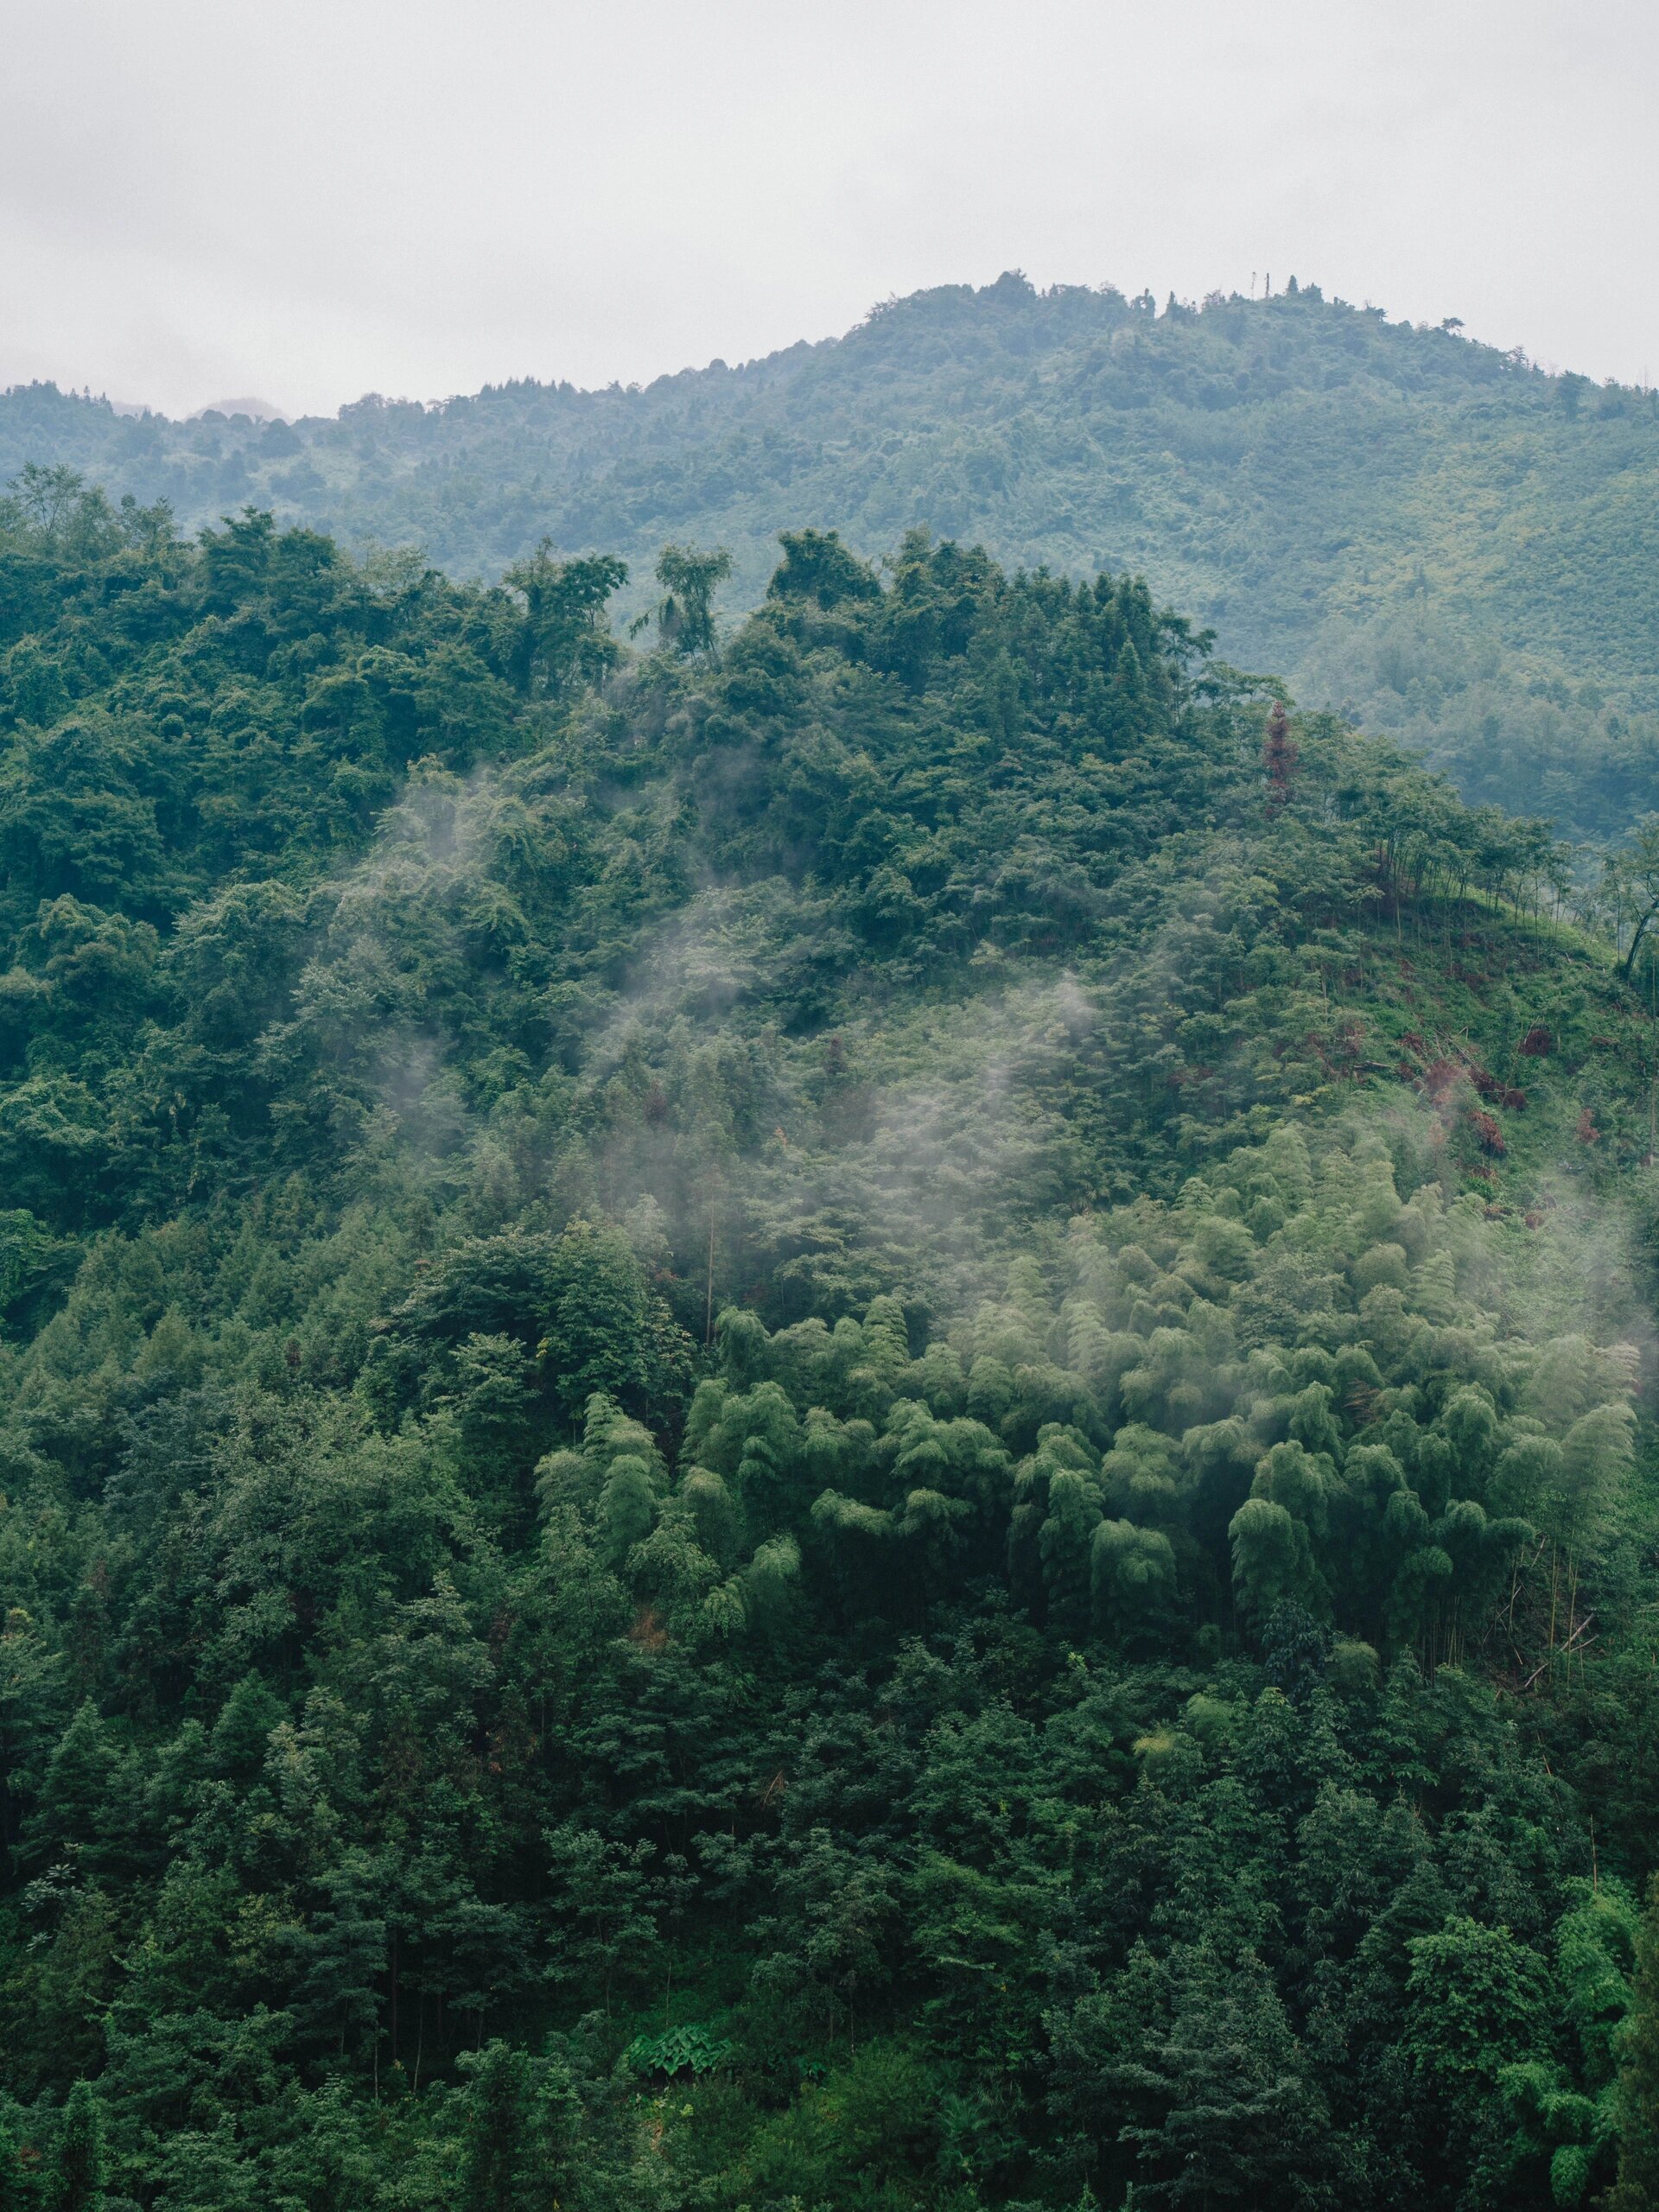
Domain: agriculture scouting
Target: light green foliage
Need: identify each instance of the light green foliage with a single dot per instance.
(1568, 2117)
(1475, 2000)
(1439, 533)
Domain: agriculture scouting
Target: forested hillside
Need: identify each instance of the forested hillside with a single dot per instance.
(1453, 543)
(853, 1421)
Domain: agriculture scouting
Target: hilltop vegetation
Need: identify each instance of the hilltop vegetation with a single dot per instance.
(845, 1422)
(1439, 536)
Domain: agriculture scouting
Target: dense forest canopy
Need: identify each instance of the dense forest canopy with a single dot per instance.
(846, 1419)
(1438, 535)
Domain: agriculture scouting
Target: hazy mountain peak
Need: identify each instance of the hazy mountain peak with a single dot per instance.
(258, 411)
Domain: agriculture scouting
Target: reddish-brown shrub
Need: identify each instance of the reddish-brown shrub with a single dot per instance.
(1279, 756)
(1488, 1135)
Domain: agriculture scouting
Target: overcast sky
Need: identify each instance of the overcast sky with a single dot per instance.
(307, 201)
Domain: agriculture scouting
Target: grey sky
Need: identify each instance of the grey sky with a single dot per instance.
(309, 200)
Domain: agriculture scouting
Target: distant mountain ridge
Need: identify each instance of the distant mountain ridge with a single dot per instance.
(931, 1322)
(1452, 543)
(256, 409)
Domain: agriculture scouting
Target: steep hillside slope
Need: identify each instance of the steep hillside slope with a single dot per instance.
(1457, 545)
(852, 1423)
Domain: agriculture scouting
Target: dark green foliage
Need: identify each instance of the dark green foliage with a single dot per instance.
(1225, 2112)
(769, 1430)
(684, 615)
(504, 2166)
(76, 2181)
(1637, 2187)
